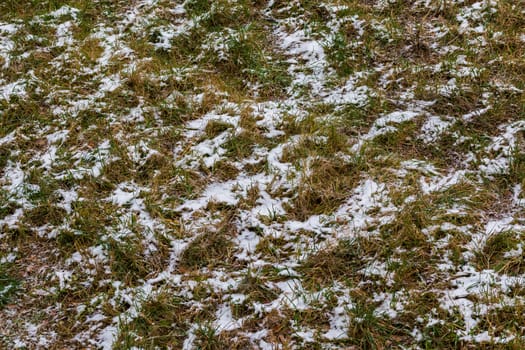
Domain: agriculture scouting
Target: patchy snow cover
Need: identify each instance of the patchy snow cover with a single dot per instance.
(433, 128)
(111, 164)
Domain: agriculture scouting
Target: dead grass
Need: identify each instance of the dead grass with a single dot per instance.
(69, 252)
(325, 187)
(163, 322)
(340, 263)
(211, 248)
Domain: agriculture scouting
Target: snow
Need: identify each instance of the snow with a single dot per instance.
(65, 11)
(165, 220)
(339, 322)
(433, 128)
(68, 197)
(219, 193)
(17, 88)
(296, 44)
(441, 183)
(121, 196)
(497, 226)
(383, 125)
(63, 278)
(15, 176)
(390, 305)
(349, 94)
(224, 320)
(366, 196)
(109, 84)
(107, 338)
(64, 34)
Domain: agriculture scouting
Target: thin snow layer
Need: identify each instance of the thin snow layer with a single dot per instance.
(502, 146)
(128, 137)
(367, 196)
(433, 128)
(17, 88)
(468, 283)
(349, 93)
(385, 124)
(224, 320)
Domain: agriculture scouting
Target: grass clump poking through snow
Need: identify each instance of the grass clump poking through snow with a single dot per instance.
(323, 189)
(162, 322)
(340, 263)
(209, 249)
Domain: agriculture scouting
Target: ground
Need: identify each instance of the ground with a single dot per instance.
(248, 174)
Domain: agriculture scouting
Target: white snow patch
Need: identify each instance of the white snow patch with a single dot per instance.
(224, 319)
(433, 128)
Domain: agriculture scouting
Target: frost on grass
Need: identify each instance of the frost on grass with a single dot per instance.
(231, 174)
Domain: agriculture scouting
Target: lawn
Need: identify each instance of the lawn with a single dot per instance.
(248, 174)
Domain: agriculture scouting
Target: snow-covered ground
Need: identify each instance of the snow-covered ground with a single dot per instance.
(261, 174)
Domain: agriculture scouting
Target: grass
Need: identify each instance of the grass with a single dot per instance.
(370, 331)
(340, 263)
(325, 188)
(208, 250)
(9, 285)
(493, 253)
(256, 289)
(208, 338)
(161, 323)
(246, 54)
(115, 207)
